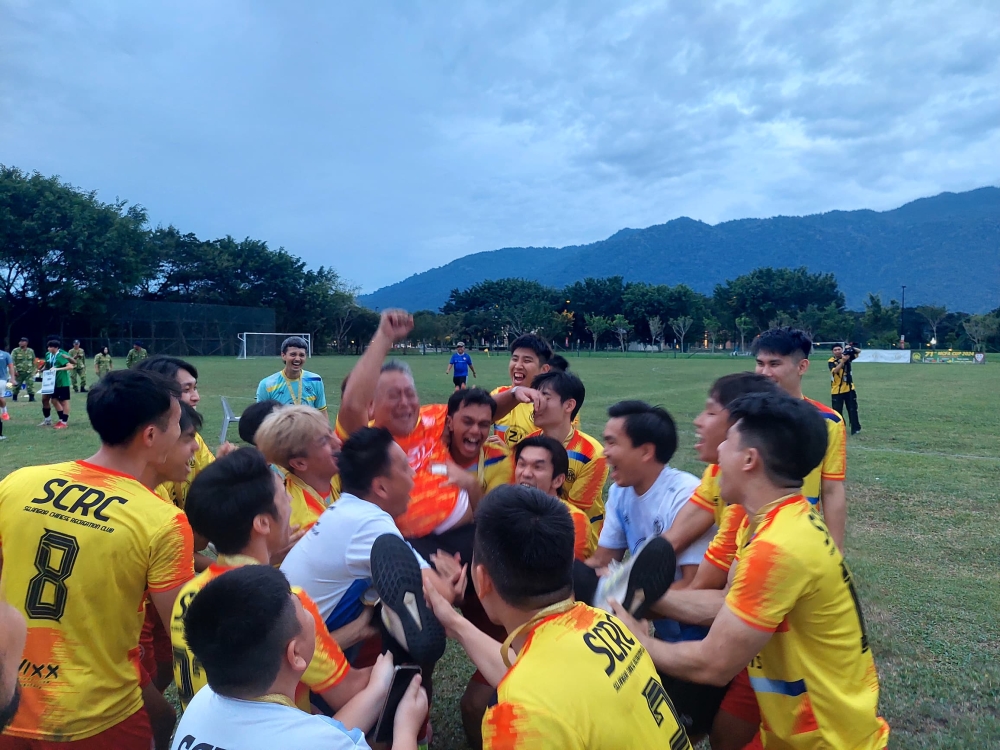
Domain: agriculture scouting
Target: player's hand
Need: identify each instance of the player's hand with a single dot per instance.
(639, 628)
(411, 712)
(358, 630)
(225, 449)
(461, 478)
(380, 679)
(295, 533)
(528, 396)
(450, 568)
(446, 614)
(395, 324)
(495, 440)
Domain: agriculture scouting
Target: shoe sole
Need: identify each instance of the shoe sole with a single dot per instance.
(651, 576)
(397, 578)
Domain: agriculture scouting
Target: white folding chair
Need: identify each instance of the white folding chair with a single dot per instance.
(228, 417)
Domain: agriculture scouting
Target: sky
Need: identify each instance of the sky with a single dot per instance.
(383, 139)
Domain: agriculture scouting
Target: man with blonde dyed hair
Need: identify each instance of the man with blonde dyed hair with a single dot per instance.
(300, 441)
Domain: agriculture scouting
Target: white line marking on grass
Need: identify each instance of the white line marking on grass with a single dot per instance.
(922, 453)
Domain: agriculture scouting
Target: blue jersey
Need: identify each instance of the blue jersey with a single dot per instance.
(461, 363)
(5, 363)
(307, 390)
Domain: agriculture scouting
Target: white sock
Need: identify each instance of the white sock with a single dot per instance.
(3, 409)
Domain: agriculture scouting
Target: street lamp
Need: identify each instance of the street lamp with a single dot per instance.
(902, 307)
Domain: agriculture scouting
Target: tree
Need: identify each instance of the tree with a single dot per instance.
(598, 325)
(681, 326)
(979, 328)
(765, 292)
(656, 330)
(744, 324)
(712, 327)
(622, 328)
(934, 315)
(880, 323)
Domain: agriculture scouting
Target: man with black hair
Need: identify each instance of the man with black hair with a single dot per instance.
(293, 384)
(842, 392)
(581, 680)
(541, 462)
(186, 375)
(255, 641)
(560, 396)
(462, 363)
(82, 544)
(79, 367)
(529, 356)
(241, 505)
(62, 363)
(782, 355)
(791, 610)
(252, 418)
(24, 366)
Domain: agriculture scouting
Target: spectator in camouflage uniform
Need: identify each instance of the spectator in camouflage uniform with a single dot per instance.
(102, 363)
(24, 366)
(79, 367)
(135, 355)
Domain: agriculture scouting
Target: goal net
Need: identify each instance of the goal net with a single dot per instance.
(254, 344)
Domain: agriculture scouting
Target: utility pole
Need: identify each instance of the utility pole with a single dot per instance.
(902, 308)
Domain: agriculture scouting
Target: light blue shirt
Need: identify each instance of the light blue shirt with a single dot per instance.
(308, 390)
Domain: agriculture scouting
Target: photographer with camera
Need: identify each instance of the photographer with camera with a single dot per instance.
(842, 391)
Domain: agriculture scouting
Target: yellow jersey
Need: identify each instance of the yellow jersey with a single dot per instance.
(834, 465)
(176, 492)
(837, 384)
(706, 495)
(582, 682)
(519, 423)
(584, 487)
(815, 680)
(308, 504)
(81, 546)
(327, 668)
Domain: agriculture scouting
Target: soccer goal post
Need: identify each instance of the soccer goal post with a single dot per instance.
(257, 344)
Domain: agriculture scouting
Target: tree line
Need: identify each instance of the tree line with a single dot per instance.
(67, 257)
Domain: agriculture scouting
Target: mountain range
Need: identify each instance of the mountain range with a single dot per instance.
(945, 249)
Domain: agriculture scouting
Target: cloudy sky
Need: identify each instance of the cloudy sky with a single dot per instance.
(386, 138)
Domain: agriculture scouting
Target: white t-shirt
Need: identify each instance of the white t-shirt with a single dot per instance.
(630, 519)
(214, 721)
(332, 562)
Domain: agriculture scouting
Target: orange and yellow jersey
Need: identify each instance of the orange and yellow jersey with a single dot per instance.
(834, 465)
(725, 544)
(582, 681)
(81, 546)
(176, 492)
(707, 496)
(584, 487)
(815, 680)
(495, 468)
(308, 504)
(581, 532)
(519, 423)
(327, 668)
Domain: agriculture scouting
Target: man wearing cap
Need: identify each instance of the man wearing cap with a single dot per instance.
(462, 363)
(24, 369)
(135, 355)
(79, 370)
(293, 384)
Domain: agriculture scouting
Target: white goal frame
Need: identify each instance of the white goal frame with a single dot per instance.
(243, 340)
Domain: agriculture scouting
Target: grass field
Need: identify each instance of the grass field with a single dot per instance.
(923, 534)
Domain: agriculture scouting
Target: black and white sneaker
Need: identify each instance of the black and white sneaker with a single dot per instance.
(641, 580)
(405, 614)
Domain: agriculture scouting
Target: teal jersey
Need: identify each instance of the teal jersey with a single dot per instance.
(307, 390)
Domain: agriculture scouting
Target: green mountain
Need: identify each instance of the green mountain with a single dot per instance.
(946, 249)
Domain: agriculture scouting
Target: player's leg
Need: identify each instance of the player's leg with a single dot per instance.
(73, 376)
(3, 407)
(852, 412)
(83, 379)
(738, 720)
(46, 411)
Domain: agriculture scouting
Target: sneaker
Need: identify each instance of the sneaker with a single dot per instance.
(639, 581)
(45, 423)
(5, 417)
(2, 437)
(396, 576)
(60, 425)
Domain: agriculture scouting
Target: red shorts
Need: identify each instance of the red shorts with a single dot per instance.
(134, 733)
(741, 701)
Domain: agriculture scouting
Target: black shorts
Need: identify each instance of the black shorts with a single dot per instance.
(61, 393)
(459, 379)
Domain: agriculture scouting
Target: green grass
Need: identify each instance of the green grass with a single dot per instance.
(923, 492)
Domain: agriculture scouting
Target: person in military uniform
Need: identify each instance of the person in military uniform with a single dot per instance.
(135, 355)
(24, 366)
(102, 363)
(79, 367)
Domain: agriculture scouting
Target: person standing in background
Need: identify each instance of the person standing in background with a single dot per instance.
(842, 391)
(135, 355)
(462, 363)
(103, 363)
(79, 367)
(24, 366)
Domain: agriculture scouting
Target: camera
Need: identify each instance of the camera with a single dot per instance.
(850, 351)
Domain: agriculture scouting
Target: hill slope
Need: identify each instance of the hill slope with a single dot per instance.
(946, 249)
